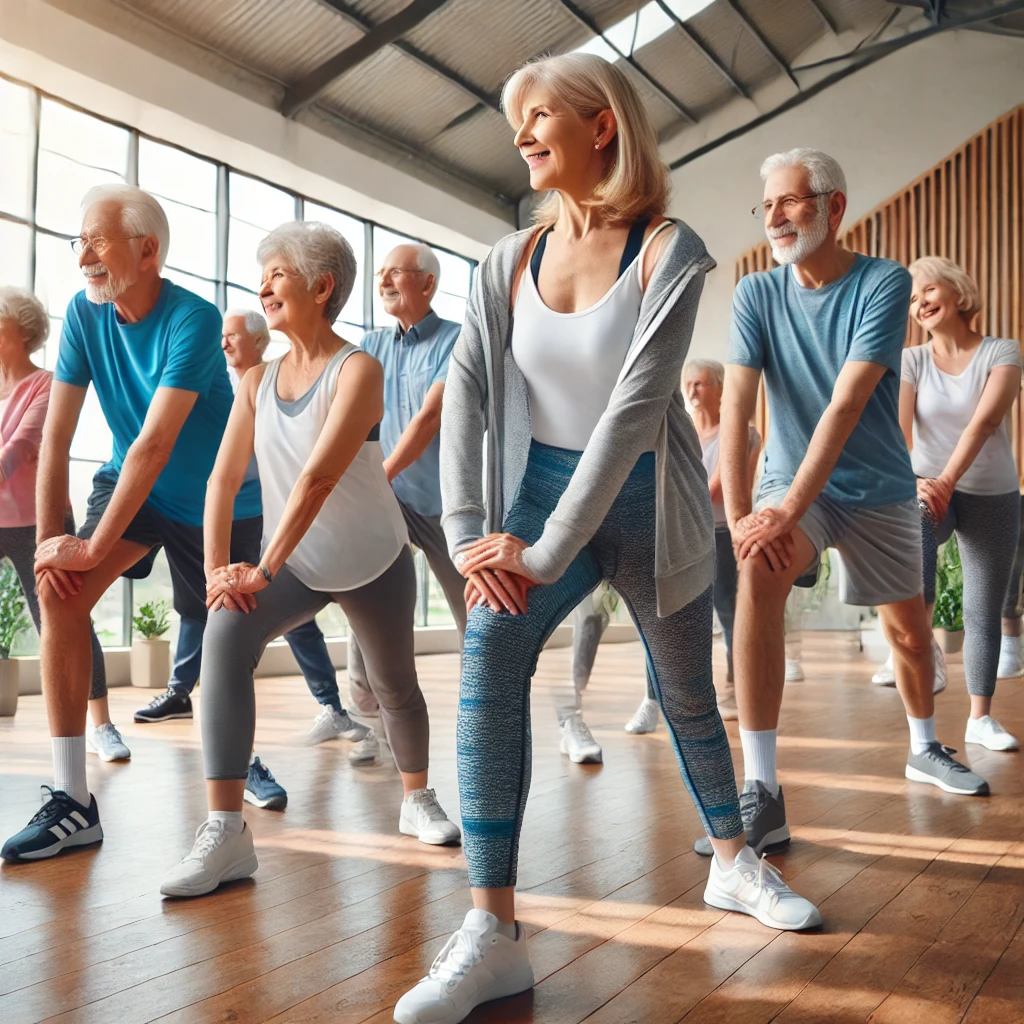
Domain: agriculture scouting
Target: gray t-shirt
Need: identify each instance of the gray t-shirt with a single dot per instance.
(709, 456)
(944, 407)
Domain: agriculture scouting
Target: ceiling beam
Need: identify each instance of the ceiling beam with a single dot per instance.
(677, 105)
(824, 16)
(301, 93)
(759, 38)
(705, 51)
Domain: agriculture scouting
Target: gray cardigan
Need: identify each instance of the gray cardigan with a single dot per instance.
(485, 395)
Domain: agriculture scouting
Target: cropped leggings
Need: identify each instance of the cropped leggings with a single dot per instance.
(381, 610)
(500, 655)
(986, 527)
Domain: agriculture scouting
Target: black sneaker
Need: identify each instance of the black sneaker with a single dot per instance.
(764, 821)
(165, 706)
(59, 823)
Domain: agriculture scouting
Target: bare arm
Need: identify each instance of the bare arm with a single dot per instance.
(416, 437)
(739, 399)
(908, 406)
(65, 407)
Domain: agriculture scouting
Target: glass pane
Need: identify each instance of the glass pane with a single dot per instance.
(48, 357)
(455, 273)
(242, 241)
(80, 476)
(157, 587)
(354, 233)
(173, 174)
(193, 238)
(16, 147)
(15, 240)
(86, 139)
(255, 208)
(204, 289)
(449, 307)
(108, 617)
(92, 438)
(62, 184)
(58, 276)
(350, 332)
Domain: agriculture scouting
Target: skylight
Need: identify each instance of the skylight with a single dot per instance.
(640, 28)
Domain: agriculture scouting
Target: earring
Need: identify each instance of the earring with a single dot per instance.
(597, 145)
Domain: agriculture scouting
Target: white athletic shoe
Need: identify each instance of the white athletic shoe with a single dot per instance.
(423, 818)
(886, 674)
(477, 964)
(216, 856)
(727, 707)
(989, 733)
(941, 676)
(794, 671)
(366, 751)
(578, 742)
(1011, 663)
(105, 741)
(645, 719)
(332, 725)
(754, 887)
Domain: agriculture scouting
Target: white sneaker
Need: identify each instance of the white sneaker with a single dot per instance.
(941, 677)
(645, 719)
(794, 671)
(366, 751)
(989, 733)
(886, 674)
(1011, 664)
(754, 887)
(105, 741)
(727, 707)
(331, 724)
(216, 856)
(578, 742)
(423, 818)
(477, 964)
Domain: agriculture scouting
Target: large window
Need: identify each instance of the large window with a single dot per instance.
(52, 153)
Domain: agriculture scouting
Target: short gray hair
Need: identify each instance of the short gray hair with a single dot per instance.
(255, 326)
(28, 313)
(141, 214)
(427, 261)
(313, 249)
(695, 366)
(825, 173)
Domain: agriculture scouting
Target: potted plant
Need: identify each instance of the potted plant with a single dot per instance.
(12, 621)
(151, 656)
(948, 620)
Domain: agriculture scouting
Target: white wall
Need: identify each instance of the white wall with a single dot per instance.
(886, 125)
(95, 69)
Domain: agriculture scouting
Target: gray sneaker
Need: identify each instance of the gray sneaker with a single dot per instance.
(936, 767)
(106, 742)
(764, 821)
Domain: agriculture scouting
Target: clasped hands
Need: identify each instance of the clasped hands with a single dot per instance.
(769, 532)
(234, 587)
(495, 575)
(936, 493)
(60, 562)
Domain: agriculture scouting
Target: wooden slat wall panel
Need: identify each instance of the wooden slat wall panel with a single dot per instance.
(970, 208)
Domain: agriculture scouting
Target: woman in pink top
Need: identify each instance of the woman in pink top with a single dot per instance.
(24, 396)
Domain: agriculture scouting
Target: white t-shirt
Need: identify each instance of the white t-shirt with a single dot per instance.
(944, 408)
(709, 456)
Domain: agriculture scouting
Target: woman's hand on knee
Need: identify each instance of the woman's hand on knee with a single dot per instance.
(499, 590)
(234, 587)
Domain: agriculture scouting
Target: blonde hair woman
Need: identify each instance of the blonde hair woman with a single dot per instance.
(593, 472)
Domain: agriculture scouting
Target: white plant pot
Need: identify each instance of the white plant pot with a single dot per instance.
(8, 687)
(151, 663)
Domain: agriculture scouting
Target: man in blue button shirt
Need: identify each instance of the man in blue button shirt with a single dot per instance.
(414, 354)
(152, 352)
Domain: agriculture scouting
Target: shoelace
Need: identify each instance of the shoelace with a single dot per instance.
(208, 837)
(427, 802)
(579, 729)
(766, 878)
(111, 730)
(752, 801)
(459, 954)
(262, 771)
(48, 810)
(944, 756)
(161, 698)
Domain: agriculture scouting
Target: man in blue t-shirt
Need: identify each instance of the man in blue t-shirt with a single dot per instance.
(152, 352)
(826, 329)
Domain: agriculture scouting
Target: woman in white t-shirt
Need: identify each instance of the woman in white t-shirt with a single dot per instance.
(955, 396)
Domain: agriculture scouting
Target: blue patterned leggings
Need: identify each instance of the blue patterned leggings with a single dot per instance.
(500, 654)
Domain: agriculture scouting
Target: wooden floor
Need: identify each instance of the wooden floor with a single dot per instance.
(922, 893)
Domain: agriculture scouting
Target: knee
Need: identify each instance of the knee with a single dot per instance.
(911, 640)
(756, 577)
(68, 611)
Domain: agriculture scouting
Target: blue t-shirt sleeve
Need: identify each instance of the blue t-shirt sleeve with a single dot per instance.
(194, 356)
(746, 332)
(880, 335)
(369, 344)
(443, 357)
(72, 362)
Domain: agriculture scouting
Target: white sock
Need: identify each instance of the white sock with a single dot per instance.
(922, 732)
(69, 767)
(759, 757)
(1010, 643)
(510, 931)
(231, 820)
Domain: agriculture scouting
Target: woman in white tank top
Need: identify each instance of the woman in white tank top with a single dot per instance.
(332, 530)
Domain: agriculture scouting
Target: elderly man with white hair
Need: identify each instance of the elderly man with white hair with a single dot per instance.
(151, 350)
(826, 328)
(414, 354)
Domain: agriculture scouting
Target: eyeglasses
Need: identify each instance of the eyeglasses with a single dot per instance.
(395, 272)
(786, 202)
(99, 244)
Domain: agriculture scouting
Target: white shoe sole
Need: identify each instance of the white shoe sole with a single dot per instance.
(411, 830)
(162, 718)
(1013, 746)
(502, 988)
(274, 803)
(916, 775)
(243, 869)
(636, 731)
(595, 757)
(90, 749)
(723, 902)
(83, 837)
(364, 762)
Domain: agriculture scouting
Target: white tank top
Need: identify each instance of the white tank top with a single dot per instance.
(571, 361)
(359, 531)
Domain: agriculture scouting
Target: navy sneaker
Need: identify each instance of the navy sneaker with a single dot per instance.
(262, 789)
(165, 706)
(61, 822)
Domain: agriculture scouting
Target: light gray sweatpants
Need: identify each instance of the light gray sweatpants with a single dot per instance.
(382, 611)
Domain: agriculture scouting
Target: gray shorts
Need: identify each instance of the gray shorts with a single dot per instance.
(880, 547)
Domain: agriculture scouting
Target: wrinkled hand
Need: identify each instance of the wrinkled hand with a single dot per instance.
(499, 590)
(64, 584)
(936, 493)
(768, 532)
(494, 568)
(234, 587)
(67, 553)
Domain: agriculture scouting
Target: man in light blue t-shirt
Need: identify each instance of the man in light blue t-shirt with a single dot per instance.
(826, 330)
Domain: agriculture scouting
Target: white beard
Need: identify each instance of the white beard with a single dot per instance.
(110, 291)
(808, 241)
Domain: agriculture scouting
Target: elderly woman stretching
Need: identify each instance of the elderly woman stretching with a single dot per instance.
(332, 531)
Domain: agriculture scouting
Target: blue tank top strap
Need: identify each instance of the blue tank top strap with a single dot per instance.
(538, 254)
(634, 243)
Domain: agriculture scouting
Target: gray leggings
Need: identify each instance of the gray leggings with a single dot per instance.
(986, 527)
(1013, 603)
(18, 543)
(381, 611)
